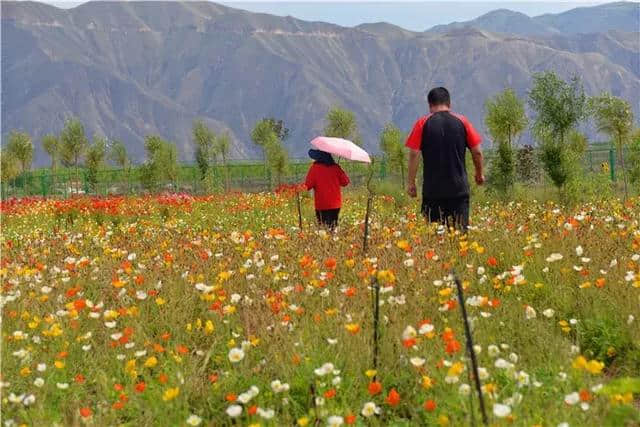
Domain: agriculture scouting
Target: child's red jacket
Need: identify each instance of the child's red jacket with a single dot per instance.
(326, 180)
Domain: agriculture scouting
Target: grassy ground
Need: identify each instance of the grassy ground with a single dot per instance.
(171, 310)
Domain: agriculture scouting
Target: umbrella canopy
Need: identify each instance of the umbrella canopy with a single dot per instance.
(341, 147)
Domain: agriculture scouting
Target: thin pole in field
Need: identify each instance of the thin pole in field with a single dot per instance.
(472, 353)
(299, 210)
(375, 293)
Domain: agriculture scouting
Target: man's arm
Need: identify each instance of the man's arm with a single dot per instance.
(414, 159)
(476, 155)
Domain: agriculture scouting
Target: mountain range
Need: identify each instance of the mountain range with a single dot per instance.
(129, 69)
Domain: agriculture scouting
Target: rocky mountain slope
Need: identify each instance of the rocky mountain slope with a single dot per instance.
(128, 69)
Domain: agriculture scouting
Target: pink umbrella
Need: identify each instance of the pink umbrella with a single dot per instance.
(341, 147)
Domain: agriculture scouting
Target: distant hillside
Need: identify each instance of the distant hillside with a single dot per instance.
(128, 69)
(621, 16)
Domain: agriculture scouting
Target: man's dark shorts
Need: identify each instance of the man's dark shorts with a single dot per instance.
(451, 212)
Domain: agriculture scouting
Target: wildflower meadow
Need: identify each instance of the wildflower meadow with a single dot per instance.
(220, 310)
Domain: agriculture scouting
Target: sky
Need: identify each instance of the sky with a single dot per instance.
(412, 15)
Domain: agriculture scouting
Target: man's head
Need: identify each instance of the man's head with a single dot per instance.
(439, 99)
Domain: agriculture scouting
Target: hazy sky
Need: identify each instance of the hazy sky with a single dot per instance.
(415, 15)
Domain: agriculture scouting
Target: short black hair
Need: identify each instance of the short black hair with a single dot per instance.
(439, 96)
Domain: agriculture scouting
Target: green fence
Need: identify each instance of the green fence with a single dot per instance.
(243, 176)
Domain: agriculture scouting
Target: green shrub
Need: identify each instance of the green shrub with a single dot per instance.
(527, 166)
(502, 171)
(608, 339)
(633, 161)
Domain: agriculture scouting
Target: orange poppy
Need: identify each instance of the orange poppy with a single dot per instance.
(374, 388)
(393, 398)
(430, 405)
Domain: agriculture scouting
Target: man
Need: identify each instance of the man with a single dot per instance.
(442, 138)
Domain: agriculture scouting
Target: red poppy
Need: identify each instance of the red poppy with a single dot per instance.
(408, 343)
(453, 346)
(252, 410)
(430, 405)
(374, 388)
(330, 394)
(492, 261)
(140, 387)
(80, 379)
(350, 419)
(330, 263)
(85, 412)
(393, 398)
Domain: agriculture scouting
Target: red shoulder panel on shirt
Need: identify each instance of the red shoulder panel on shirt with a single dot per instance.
(414, 140)
(473, 137)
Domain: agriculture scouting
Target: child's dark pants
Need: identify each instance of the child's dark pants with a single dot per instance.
(328, 218)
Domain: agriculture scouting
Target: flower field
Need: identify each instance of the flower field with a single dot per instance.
(175, 310)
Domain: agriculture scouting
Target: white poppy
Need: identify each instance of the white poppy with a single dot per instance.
(572, 398)
(194, 420)
(500, 410)
(234, 411)
(335, 421)
(417, 361)
(370, 409)
(236, 355)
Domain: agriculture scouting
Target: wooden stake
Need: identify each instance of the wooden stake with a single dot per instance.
(472, 353)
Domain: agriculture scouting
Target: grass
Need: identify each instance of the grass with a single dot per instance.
(135, 303)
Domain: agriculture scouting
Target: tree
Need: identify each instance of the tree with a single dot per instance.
(614, 118)
(634, 158)
(95, 159)
(341, 123)
(51, 145)
(392, 145)
(118, 155)
(21, 148)
(279, 128)
(73, 144)
(559, 106)
(505, 120)
(204, 140)
(222, 147)
(9, 166)
(161, 164)
(263, 135)
(277, 158)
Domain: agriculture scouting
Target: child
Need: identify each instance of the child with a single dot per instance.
(326, 177)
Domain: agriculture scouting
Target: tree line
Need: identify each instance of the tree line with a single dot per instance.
(558, 106)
